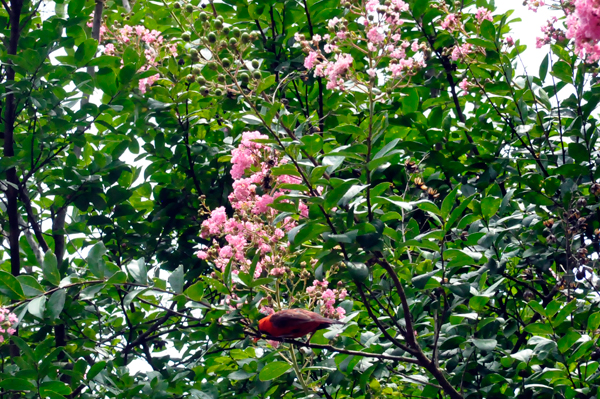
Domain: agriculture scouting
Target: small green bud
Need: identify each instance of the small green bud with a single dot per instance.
(213, 66)
(223, 44)
(245, 38)
(244, 78)
(221, 78)
(236, 32)
(177, 6)
(186, 36)
(226, 30)
(256, 75)
(196, 71)
(195, 58)
(203, 16)
(226, 62)
(218, 92)
(204, 90)
(233, 42)
(255, 64)
(212, 37)
(193, 51)
(200, 79)
(189, 8)
(218, 24)
(220, 18)
(190, 78)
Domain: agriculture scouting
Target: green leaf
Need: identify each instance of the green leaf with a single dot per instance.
(312, 144)
(176, 280)
(54, 389)
(196, 291)
(564, 313)
(458, 211)
(563, 71)
(488, 30)
(95, 370)
(273, 370)
(30, 285)
(489, 206)
(544, 68)
(56, 304)
(420, 7)
(485, 344)
(410, 102)
(358, 271)
(37, 306)
(568, 340)
(137, 270)
(578, 152)
(17, 384)
(448, 202)
(539, 329)
(332, 197)
(593, 321)
(107, 81)
(10, 286)
(421, 281)
(350, 194)
(50, 269)
(85, 52)
(265, 83)
(95, 259)
(240, 375)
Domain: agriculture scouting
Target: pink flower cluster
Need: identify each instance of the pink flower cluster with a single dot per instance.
(460, 52)
(8, 322)
(383, 45)
(451, 23)
(150, 43)
(464, 85)
(583, 26)
(551, 33)
(533, 5)
(327, 297)
(483, 14)
(252, 225)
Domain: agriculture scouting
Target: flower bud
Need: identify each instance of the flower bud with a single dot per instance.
(212, 37)
(193, 51)
(190, 78)
(221, 78)
(244, 78)
(233, 42)
(189, 8)
(196, 71)
(226, 30)
(186, 36)
(201, 80)
(581, 202)
(204, 91)
(203, 16)
(255, 64)
(236, 32)
(213, 66)
(218, 24)
(245, 38)
(226, 62)
(256, 75)
(177, 5)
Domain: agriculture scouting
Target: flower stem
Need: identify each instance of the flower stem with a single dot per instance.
(297, 370)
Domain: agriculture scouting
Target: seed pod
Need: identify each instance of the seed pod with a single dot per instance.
(225, 30)
(203, 16)
(244, 78)
(212, 37)
(255, 64)
(201, 80)
(186, 36)
(190, 78)
(218, 92)
(236, 32)
(256, 75)
(226, 62)
(196, 71)
(193, 51)
(177, 5)
(233, 42)
(189, 8)
(245, 38)
(218, 24)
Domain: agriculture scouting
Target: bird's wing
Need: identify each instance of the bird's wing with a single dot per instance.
(294, 317)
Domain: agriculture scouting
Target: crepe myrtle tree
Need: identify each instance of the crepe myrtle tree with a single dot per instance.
(391, 164)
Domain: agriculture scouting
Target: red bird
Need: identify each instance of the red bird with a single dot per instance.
(294, 323)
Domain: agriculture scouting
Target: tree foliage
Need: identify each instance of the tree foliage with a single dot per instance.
(172, 171)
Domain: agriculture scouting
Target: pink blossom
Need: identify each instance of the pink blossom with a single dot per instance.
(509, 41)
(310, 60)
(342, 294)
(274, 344)
(226, 252)
(11, 331)
(202, 255)
(450, 23)
(372, 72)
(415, 46)
(459, 52)
(464, 85)
(328, 294)
(262, 204)
(583, 26)
(375, 36)
(372, 5)
(214, 223)
(109, 49)
(266, 310)
(341, 312)
(333, 22)
(534, 4)
(483, 14)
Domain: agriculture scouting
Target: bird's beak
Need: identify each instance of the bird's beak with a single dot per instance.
(255, 339)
